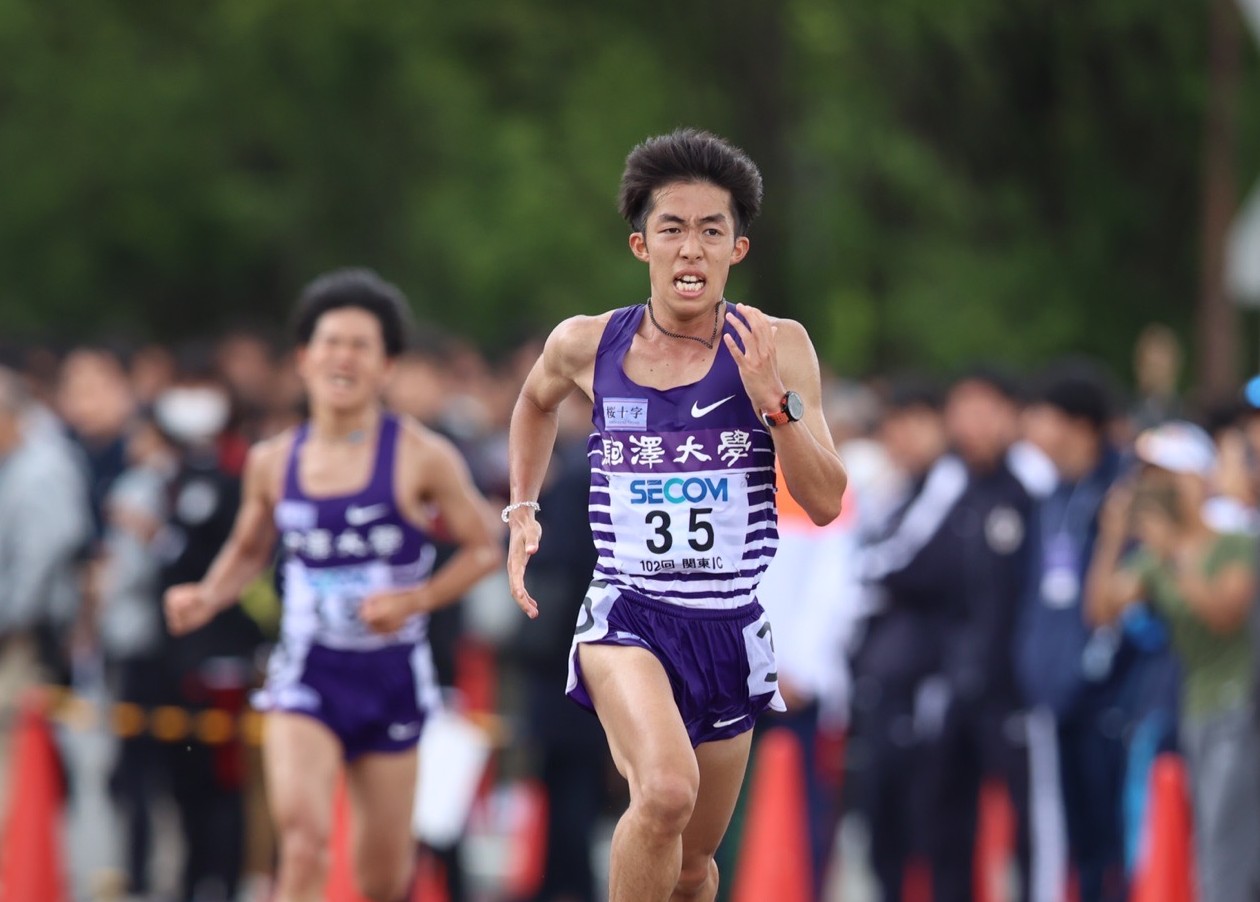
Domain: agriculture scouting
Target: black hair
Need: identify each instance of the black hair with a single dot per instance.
(993, 377)
(689, 155)
(1079, 390)
(355, 287)
(911, 391)
(1224, 413)
(195, 362)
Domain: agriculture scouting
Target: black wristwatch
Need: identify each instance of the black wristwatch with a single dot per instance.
(791, 409)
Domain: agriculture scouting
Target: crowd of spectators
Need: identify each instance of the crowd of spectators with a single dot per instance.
(1035, 584)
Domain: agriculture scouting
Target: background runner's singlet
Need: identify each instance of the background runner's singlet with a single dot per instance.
(682, 480)
(337, 550)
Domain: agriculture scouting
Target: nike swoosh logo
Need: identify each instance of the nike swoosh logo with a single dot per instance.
(357, 516)
(400, 731)
(717, 725)
(697, 411)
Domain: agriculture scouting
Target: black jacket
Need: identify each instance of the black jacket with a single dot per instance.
(951, 568)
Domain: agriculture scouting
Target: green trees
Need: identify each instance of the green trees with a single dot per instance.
(944, 181)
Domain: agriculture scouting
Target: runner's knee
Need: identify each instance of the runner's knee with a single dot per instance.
(303, 852)
(667, 800)
(695, 877)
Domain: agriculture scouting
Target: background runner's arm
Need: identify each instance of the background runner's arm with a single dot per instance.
(469, 522)
(249, 548)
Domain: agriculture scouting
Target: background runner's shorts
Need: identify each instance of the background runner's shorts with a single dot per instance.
(720, 663)
(373, 700)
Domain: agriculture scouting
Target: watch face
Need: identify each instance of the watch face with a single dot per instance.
(793, 406)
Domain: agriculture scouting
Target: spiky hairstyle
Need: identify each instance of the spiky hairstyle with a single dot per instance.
(689, 155)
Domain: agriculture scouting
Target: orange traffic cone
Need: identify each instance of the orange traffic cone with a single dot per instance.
(1165, 871)
(341, 886)
(30, 844)
(995, 842)
(916, 881)
(430, 882)
(529, 846)
(774, 861)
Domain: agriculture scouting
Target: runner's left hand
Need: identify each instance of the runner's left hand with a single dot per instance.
(758, 361)
(386, 612)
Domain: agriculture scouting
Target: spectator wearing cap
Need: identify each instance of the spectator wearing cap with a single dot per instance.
(1203, 583)
(1232, 506)
(1068, 673)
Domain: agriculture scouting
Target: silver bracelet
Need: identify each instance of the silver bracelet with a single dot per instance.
(533, 505)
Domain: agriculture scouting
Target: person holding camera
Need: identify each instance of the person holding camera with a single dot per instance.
(1202, 582)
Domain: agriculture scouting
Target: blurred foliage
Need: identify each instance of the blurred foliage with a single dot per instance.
(945, 181)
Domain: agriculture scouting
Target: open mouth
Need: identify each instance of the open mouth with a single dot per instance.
(689, 285)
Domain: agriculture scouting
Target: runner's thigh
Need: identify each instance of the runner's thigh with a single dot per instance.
(301, 760)
(382, 796)
(635, 703)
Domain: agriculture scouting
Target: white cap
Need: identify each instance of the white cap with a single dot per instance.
(1177, 446)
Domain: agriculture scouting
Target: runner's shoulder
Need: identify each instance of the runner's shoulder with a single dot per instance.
(266, 460)
(790, 331)
(270, 452)
(574, 341)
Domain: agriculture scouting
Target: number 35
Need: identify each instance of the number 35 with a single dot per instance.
(700, 530)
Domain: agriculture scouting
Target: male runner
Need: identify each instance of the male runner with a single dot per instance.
(672, 650)
(352, 495)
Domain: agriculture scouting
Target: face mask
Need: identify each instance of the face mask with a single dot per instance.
(192, 416)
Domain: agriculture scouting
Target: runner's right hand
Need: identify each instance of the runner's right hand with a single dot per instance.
(187, 608)
(522, 544)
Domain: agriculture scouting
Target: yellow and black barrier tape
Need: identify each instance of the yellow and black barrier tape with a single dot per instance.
(173, 723)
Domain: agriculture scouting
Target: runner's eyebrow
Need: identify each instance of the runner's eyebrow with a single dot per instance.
(705, 220)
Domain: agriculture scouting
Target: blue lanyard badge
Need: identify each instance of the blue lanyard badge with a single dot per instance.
(1060, 574)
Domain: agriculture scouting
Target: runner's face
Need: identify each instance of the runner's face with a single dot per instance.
(689, 244)
(344, 367)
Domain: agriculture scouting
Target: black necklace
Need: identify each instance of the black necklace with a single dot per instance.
(712, 338)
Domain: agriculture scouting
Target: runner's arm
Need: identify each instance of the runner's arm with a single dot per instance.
(252, 541)
(567, 357)
(812, 469)
(774, 355)
(468, 522)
